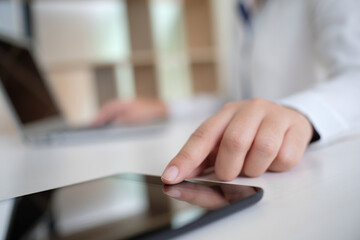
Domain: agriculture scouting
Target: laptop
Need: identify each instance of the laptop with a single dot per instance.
(33, 107)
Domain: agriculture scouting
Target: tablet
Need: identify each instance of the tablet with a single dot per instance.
(125, 206)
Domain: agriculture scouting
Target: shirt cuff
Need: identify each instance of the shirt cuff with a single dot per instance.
(328, 123)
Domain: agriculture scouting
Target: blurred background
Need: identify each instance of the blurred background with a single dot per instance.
(92, 51)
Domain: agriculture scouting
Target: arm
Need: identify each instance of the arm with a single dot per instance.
(251, 137)
(333, 106)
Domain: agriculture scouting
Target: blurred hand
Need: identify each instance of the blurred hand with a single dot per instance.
(133, 111)
(248, 137)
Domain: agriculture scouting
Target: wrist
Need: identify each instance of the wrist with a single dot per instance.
(314, 136)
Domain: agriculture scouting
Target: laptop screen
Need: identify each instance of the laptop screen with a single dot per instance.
(24, 85)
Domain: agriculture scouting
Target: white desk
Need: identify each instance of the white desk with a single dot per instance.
(318, 199)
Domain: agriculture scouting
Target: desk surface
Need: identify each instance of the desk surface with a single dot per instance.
(318, 199)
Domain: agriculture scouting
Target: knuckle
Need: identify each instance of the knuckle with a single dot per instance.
(235, 142)
(184, 156)
(266, 147)
(285, 162)
(200, 133)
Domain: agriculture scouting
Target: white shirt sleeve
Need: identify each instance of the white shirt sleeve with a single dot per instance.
(333, 107)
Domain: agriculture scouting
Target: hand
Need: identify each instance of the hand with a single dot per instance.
(134, 111)
(248, 137)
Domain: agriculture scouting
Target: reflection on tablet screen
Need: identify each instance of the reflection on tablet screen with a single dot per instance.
(123, 207)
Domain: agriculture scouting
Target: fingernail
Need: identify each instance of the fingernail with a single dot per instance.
(173, 193)
(170, 173)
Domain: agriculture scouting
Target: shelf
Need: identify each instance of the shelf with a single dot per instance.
(204, 77)
(191, 62)
(139, 25)
(198, 21)
(143, 58)
(202, 55)
(145, 81)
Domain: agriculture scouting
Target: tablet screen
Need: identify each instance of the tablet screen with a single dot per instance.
(126, 206)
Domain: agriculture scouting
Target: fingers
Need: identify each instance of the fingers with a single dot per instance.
(250, 137)
(236, 142)
(111, 112)
(125, 117)
(266, 145)
(197, 148)
(206, 164)
(292, 149)
(108, 113)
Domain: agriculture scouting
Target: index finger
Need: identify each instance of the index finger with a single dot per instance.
(198, 147)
